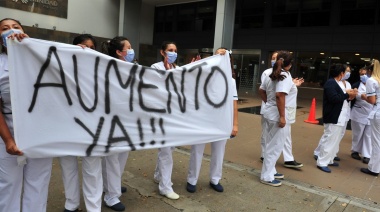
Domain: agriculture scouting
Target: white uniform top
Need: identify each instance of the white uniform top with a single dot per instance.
(373, 88)
(263, 86)
(5, 99)
(361, 108)
(286, 86)
(346, 104)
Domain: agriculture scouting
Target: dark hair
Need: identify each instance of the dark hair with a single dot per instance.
(337, 69)
(284, 59)
(117, 43)
(231, 61)
(82, 38)
(165, 45)
(3, 49)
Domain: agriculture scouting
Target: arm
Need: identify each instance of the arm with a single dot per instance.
(235, 123)
(332, 94)
(280, 101)
(7, 137)
(263, 95)
(371, 99)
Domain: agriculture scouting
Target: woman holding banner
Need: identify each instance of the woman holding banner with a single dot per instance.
(91, 166)
(217, 148)
(164, 166)
(113, 165)
(31, 180)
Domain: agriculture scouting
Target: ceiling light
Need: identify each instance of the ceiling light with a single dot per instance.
(357, 54)
(322, 53)
(335, 58)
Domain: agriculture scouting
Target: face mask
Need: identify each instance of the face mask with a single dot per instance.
(346, 76)
(172, 56)
(363, 78)
(273, 62)
(130, 55)
(7, 33)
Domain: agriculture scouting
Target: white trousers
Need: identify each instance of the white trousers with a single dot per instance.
(274, 144)
(287, 151)
(113, 169)
(92, 182)
(374, 163)
(35, 176)
(318, 149)
(216, 163)
(329, 144)
(164, 168)
(361, 138)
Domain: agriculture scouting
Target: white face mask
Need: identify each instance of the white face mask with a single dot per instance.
(6, 34)
(273, 62)
(346, 76)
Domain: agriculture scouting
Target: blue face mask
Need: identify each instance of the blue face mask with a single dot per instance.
(7, 33)
(172, 56)
(273, 62)
(363, 78)
(130, 55)
(346, 76)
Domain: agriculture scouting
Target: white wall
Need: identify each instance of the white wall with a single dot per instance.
(97, 17)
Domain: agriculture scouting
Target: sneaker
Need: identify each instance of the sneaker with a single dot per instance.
(365, 160)
(292, 164)
(337, 158)
(334, 164)
(117, 207)
(172, 195)
(355, 155)
(191, 188)
(367, 171)
(274, 182)
(324, 168)
(217, 187)
(261, 159)
(278, 176)
(123, 189)
(67, 210)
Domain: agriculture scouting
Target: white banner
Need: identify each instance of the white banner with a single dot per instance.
(72, 101)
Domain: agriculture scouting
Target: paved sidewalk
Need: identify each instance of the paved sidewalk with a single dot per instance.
(306, 189)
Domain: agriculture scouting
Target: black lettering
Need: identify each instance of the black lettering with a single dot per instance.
(95, 137)
(142, 86)
(182, 104)
(111, 139)
(95, 85)
(213, 69)
(38, 85)
(130, 81)
(199, 67)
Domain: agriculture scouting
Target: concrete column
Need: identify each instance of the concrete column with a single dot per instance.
(129, 25)
(224, 23)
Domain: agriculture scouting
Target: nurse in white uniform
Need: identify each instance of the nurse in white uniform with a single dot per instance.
(164, 165)
(280, 113)
(113, 165)
(217, 150)
(91, 166)
(29, 181)
(361, 128)
(373, 97)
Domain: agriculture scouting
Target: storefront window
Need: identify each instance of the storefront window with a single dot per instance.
(285, 13)
(249, 14)
(358, 12)
(315, 13)
(312, 67)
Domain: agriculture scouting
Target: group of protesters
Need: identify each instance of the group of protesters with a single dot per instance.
(25, 187)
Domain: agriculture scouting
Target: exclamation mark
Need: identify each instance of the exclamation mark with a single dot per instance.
(142, 144)
(161, 123)
(153, 130)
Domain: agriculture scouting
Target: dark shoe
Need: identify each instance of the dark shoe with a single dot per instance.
(334, 164)
(218, 187)
(274, 182)
(324, 168)
(123, 189)
(292, 164)
(278, 176)
(337, 158)
(365, 160)
(367, 171)
(191, 188)
(355, 155)
(117, 207)
(66, 210)
(315, 157)
(262, 159)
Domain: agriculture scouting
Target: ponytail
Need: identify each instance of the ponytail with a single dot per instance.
(284, 59)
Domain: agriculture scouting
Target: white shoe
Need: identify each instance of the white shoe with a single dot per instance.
(172, 195)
